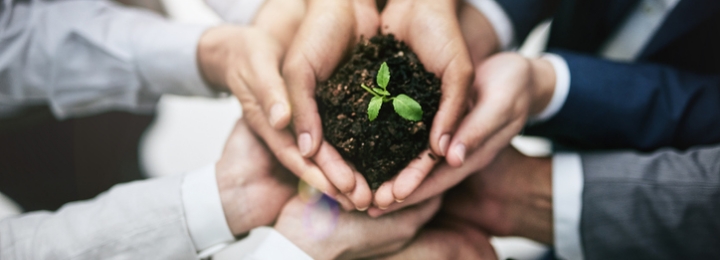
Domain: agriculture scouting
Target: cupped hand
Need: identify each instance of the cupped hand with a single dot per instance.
(431, 30)
(355, 235)
(327, 33)
(247, 61)
(253, 186)
(502, 96)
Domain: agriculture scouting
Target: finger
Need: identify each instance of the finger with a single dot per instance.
(344, 202)
(282, 144)
(268, 86)
(444, 176)
(456, 79)
(412, 176)
(361, 196)
(335, 168)
(383, 197)
(317, 49)
(486, 119)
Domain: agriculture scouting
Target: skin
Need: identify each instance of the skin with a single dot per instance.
(245, 174)
(326, 34)
(356, 235)
(507, 89)
(448, 238)
(414, 22)
(511, 197)
(247, 61)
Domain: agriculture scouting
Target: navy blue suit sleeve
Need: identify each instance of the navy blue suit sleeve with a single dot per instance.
(634, 105)
(526, 14)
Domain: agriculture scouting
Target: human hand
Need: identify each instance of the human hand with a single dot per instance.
(507, 88)
(246, 60)
(253, 187)
(329, 29)
(356, 235)
(446, 237)
(431, 29)
(511, 197)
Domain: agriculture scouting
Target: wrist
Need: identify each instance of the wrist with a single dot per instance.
(479, 34)
(237, 209)
(542, 85)
(535, 220)
(212, 56)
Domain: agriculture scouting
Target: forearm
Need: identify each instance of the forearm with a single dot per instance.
(640, 105)
(117, 57)
(662, 205)
(132, 221)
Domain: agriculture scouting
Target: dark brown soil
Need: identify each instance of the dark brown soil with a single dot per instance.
(381, 148)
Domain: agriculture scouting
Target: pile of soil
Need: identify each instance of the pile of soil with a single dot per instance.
(381, 148)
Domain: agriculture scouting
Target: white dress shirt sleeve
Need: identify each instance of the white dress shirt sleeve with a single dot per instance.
(499, 20)
(204, 213)
(562, 88)
(236, 11)
(86, 57)
(276, 246)
(567, 186)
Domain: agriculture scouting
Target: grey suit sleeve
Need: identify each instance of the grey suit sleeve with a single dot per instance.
(664, 205)
(139, 220)
(84, 57)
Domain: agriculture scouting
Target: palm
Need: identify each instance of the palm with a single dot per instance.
(248, 174)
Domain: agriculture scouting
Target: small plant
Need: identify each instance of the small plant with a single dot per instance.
(404, 105)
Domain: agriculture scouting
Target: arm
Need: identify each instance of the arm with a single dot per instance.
(83, 57)
(182, 217)
(640, 105)
(137, 220)
(662, 205)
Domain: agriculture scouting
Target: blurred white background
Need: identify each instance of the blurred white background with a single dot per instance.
(190, 133)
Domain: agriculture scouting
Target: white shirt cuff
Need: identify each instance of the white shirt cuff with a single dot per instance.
(204, 214)
(276, 246)
(236, 11)
(567, 183)
(167, 59)
(562, 88)
(499, 20)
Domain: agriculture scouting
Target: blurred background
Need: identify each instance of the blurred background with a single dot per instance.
(188, 133)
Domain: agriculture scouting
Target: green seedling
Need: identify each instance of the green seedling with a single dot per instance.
(404, 105)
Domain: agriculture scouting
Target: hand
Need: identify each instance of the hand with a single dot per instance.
(356, 235)
(329, 29)
(446, 237)
(511, 197)
(431, 29)
(253, 186)
(246, 60)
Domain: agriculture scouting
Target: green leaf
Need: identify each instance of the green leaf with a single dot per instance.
(407, 108)
(383, 75)
(374, 107)
(381, 91)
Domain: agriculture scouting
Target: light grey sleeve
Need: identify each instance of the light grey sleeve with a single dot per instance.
(139, 220)
(236, 11)
(664, 205)
(88, 56)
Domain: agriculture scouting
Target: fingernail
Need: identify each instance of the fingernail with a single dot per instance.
(276, 113)
(399, 201)
(305, 143)
(382, 208)
(460, 152)
(362, 209)
(444, 141)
